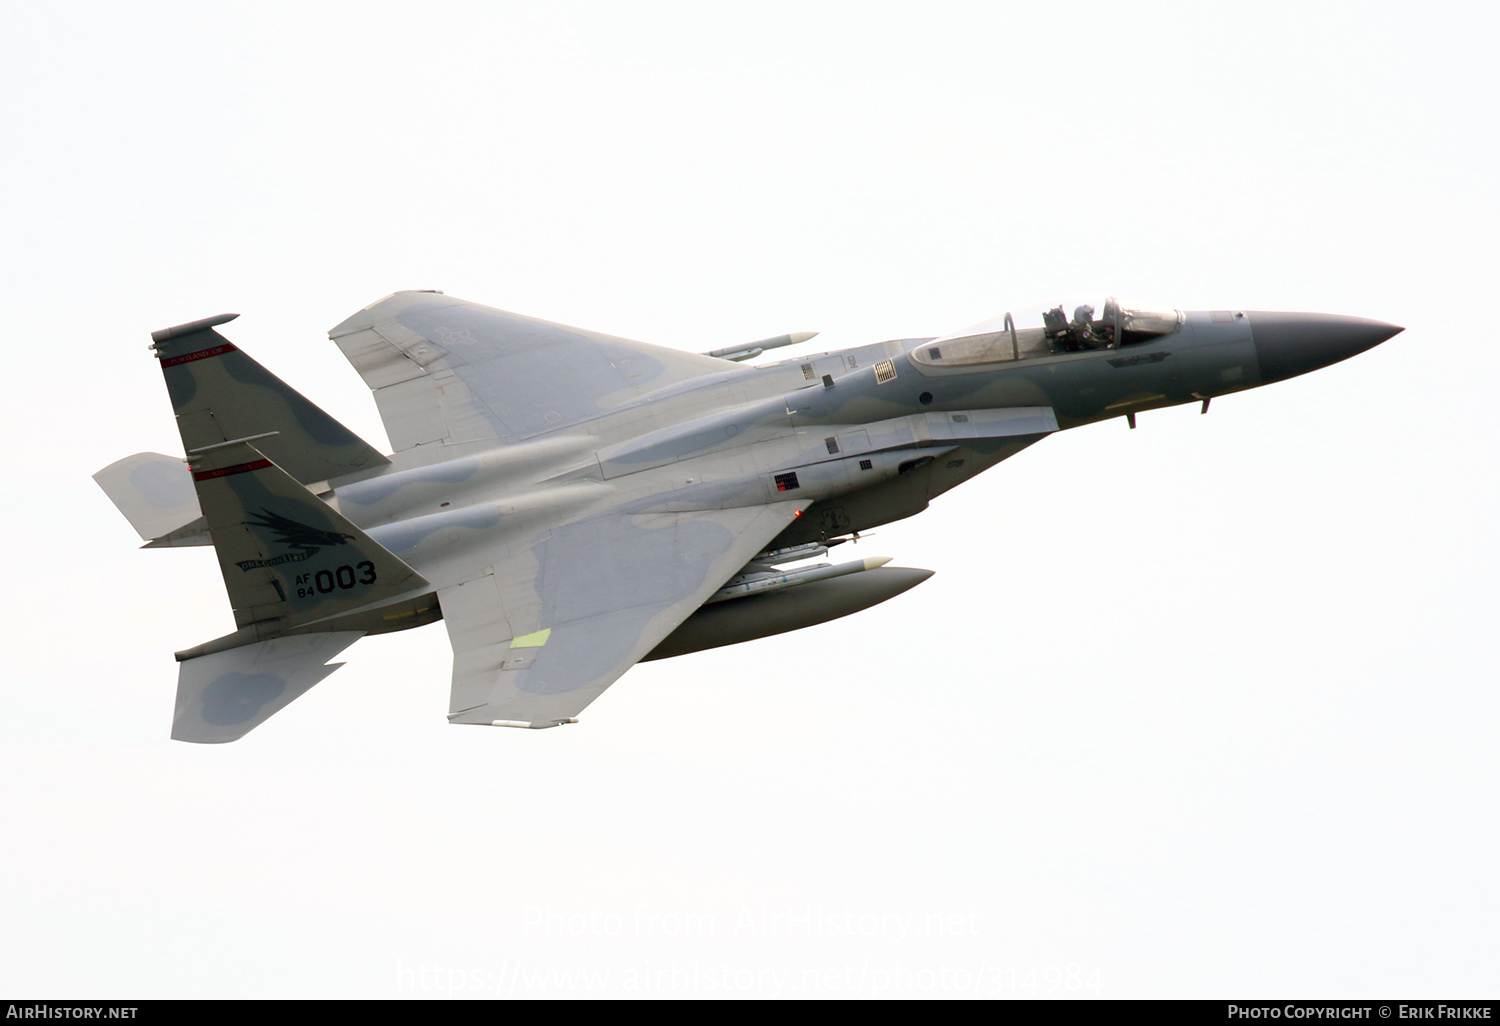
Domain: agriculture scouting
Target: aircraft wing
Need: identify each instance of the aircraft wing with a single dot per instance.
(446, 371)
(551, 627)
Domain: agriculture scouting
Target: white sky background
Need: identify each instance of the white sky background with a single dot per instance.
(1204, 709)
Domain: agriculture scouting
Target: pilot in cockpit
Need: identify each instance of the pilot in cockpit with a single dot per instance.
(1083, 327)
(1083, 333)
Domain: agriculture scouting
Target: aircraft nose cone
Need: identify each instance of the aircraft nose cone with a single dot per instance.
(1288, 344)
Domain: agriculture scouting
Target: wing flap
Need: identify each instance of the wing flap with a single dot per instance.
(412, 411)
(379, 361)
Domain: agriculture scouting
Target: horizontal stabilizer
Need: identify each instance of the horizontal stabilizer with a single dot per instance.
(155, 492)
(223, 696)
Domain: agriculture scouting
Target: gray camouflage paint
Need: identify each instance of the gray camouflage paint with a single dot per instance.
(570, 499)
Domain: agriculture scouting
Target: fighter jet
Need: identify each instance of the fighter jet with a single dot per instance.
(569, 503)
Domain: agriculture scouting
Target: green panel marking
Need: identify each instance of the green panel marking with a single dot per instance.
(535, 639)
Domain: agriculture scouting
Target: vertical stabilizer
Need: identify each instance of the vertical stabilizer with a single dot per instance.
(219, 394)
(287, 555)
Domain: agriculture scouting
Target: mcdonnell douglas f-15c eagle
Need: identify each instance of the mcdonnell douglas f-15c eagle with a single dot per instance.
(570, 503)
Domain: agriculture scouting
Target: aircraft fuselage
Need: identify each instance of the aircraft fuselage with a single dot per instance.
(870, 434)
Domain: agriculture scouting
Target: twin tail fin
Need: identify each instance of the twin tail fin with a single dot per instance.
(285, 554)
(219, 393)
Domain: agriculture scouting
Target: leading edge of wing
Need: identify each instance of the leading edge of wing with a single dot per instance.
(446, 371)
(542, 636)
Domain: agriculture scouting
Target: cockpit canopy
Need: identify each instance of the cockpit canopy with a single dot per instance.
(1047, 332)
